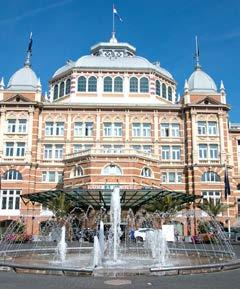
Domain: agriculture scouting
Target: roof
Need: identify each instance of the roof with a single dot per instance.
(201, 81)
(23, 79)
(113, 55)
(97, 198)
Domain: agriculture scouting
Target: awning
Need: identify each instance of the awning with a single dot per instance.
(97, 198)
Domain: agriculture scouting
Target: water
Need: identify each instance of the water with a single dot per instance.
(115, 218)
(97, 253)
(62, 245)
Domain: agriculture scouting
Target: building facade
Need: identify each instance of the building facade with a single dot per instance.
(113, 118)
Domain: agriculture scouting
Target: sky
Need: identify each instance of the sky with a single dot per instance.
(161, 31)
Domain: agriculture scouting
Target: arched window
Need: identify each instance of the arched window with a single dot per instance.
(146, 172)
(118, 84)
(107, 84)
(169, 93)
(68, 86)
(92, 84)
(12, 175)
(78, 171)
(55, 93)
(164, 90)
(82, 83)
(61, 90)
(112, 170)
(133, 84)
(210, 177)
(144, 87)
(158, 87)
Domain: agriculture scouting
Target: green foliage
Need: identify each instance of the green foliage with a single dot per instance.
(19, 228)
(60, 206)
(167, 205)
(213, 209)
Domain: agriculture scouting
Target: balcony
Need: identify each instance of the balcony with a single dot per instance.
(113, 152)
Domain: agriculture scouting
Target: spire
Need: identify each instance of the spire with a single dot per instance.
(39, 85)
(178, 97)
(197, 54)
(2, 84)
(114, 13)
(186, 87)
(27, 62)
(222, 88)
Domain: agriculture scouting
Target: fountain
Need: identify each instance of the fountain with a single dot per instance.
(160, 249)
(61, 249)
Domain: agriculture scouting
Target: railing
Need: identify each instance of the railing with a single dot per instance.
(112, 151)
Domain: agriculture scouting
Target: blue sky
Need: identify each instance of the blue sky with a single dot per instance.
(160, 30)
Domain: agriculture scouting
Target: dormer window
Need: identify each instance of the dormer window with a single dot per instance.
(169, 93)
(107, 84)
(118, 84)
(68, 86)
(144, 86)
(61, 91)
(133, 84)
(55, 93)
(164, 90)
(82, 84)
(92, 84)
(158, 88)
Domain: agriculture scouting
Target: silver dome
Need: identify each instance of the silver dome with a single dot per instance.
(23, 79)
(201, 81)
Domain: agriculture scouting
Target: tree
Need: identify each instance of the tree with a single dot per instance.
(166, 207)
(60, 207)
(213, 209)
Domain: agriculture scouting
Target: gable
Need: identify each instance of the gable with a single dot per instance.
(17, 98)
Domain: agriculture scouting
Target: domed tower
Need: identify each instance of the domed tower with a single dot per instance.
(24, 81)
(113, 73)
(201, 87)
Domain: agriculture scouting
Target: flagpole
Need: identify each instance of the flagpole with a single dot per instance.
(113, 20)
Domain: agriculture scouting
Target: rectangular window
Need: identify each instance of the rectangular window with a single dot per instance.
(20, 149)
(59, 128)
(165, 152)
(211, 195)
(10, 199)
(176, 152)
(107, 129)
(202, 151)
(136, 129)
(9, 149)
(212, 128)
(202, 127)
(165, 132)
(22, 125)
(146, 130)
(175, 130)
(51, 176)
(137, 147)
(58, 154)
(147, 148)
(213, 151)
(48, 151)
(117, 129)
(49, 126)
(11, 125)
(171, 177)
(88, 129)
(78, 129)
(77, 148)
(238, 205)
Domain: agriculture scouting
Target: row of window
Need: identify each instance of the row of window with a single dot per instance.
(207, 128)
(208, 151)
(10, 199)
(15, 149)
(17, 126)
(167, 177)
(112, 85)
(112, 129)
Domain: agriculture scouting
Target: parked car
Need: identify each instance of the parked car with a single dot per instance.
(140, 234)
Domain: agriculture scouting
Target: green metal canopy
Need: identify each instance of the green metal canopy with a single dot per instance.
(97, 198)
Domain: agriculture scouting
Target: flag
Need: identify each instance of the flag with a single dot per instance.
(227, 189)
(116, 13)
(30, 43)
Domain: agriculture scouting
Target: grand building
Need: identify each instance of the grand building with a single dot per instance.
(113, 118)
